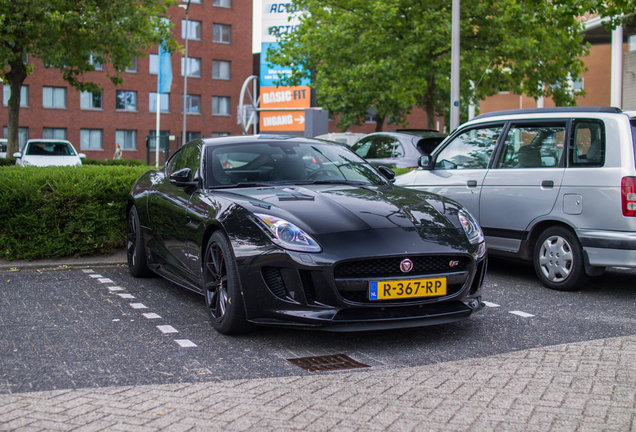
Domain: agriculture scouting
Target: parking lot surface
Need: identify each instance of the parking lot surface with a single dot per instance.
(91, 347)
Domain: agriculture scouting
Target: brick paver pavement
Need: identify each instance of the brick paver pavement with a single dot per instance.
(587, 386)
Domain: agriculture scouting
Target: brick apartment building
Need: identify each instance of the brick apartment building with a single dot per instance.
(220, 59)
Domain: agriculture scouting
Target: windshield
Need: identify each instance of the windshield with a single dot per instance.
(50, 149)
(287, 162)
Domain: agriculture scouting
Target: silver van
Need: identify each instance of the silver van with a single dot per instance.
(556, 186)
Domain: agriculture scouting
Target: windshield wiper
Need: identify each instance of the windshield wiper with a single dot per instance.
(242, 185)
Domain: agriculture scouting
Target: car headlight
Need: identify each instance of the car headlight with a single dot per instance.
(286, 234)
(471, 227)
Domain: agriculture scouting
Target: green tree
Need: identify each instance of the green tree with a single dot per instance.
(64, 34)
(395, 54)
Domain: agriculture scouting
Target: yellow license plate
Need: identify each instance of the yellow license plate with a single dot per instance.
(384, 290)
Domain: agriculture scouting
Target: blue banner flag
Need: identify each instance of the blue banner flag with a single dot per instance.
(164, 79)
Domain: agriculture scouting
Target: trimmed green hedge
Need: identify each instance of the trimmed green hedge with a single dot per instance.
(59, 211)
(7, 162)
(111, 162)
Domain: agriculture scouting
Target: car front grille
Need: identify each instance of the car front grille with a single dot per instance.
(352, 277)
(389, 267)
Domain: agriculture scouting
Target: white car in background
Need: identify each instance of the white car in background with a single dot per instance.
(348, 138)
(3, 147)
(48, 152)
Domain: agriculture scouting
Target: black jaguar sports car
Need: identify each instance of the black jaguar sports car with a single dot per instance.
(289, 231)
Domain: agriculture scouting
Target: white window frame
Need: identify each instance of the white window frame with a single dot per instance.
(87, 101)
(219, 29)
(221, 102)
(126, 138)
(133, 67)
(222, 3)
(95, 139)
(164, 102)
(192, 61)
(153, 60)
(57, 133)
(194, 30)
(217, 66)
(98, 66)
(189, 99)
(24, 95)
(127, 106)
(58, 97)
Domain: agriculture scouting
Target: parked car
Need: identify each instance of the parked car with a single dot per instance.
(556, 186)
(348, 138)
(48, 152)
(300, 232)
(3, 147)
(401, 148)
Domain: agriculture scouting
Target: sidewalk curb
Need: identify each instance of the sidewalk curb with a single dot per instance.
(118, 258)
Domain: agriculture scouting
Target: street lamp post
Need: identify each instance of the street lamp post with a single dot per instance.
(185, 77)
(454, 108)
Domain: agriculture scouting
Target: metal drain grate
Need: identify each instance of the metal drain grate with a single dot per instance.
(327, 363)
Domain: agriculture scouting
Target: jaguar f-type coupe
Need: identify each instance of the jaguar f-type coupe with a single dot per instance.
(299, 232)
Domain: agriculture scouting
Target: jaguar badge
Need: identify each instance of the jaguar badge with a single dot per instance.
(406, 265)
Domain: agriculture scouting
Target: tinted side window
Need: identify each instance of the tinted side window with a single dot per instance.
(382, 148)
(187, 157)
(469, 150)
(588, 143)
(532, 147)
(361, 148)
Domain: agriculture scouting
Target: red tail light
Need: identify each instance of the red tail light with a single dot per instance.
(628, 192)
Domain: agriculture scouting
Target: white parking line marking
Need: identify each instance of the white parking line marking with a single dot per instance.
(522, 314)
(126, 295)
(105, 280)
(488, 304)
(95, 276)
(167, 329)
(185, 343)
(138, 306)
(88, 271)
(115, 288)
(151, 315)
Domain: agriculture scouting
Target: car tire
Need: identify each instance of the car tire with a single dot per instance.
(558, 260)
(135, 248)
(223, 298)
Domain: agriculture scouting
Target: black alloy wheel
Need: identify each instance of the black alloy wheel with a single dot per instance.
(558, 259)
(135, 249)
(223, 298)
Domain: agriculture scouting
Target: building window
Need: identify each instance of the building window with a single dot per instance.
(97, 65)
(221, 33)
(194, 30)
(219, 134)
(193, 104)
(577, 85)
(220, 69)
(54, 133)
(126, 100)
(195, 1)
(127, 139)
(133, 67)
(90, 100)
(164, 99)
(91, 139)
(54, 97)
(222, 3)
(192, 136)
(220, 105)
(154, 64)
(24, 95)
(371, 116)
(164, 136)
(194, 67)
(23, 135)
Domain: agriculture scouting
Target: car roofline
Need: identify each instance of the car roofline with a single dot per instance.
(554, 110)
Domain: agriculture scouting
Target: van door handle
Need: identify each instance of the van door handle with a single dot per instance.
(548, 184)
(472, 183)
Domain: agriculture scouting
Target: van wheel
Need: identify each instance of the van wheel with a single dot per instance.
(558, 260)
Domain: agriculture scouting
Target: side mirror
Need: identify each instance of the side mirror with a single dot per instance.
(82, 156)
(17, 155)
(425, 162)
(183, 178)
(387, 173)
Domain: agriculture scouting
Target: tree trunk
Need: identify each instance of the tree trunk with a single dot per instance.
(15, 77)
(379, 122)
(429, 102)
